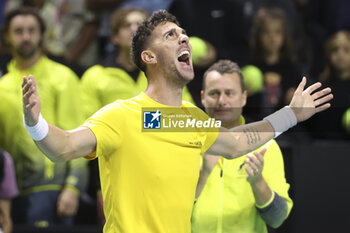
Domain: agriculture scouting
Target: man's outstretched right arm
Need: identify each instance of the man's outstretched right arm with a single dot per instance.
(245, 138)
(55, 143)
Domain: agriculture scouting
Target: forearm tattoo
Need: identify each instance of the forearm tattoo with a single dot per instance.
(252, 135)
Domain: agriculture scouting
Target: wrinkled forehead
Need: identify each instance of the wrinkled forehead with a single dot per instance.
(224, 81)
(162, 28)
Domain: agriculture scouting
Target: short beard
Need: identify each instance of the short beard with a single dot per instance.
(27, 54)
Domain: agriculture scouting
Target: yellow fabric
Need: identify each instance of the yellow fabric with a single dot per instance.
(103, 85)
(53, 82)
(148, 179)
(227, 203)
(59, 92)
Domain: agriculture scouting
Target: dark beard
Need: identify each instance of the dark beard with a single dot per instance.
(26, 54)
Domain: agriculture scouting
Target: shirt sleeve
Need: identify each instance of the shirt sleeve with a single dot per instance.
(107, 124)
(211, 133)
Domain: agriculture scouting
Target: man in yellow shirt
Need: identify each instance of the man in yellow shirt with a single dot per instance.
(243, 194)
(49, 192)
(117, 77)
(148, 179)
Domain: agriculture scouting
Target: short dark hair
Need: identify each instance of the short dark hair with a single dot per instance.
(143, 33)
(224, 67)
(21, 11)
(118, 17)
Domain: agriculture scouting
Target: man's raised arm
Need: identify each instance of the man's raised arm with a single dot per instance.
(245, 138)
(55, 143)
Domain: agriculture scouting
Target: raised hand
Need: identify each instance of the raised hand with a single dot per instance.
(306, 103)
(254, 166)
(31, 101)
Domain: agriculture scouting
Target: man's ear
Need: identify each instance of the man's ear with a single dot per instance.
(148, 57)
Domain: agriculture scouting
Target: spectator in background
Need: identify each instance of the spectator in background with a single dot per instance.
(8, 190)
(337, 76)
(247, 193)
(71, 31)
(293, 10)
(323, 19)
(4, 52)
(272, 52)
(49, 193)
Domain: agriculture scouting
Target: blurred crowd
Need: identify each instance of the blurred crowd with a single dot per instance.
(81, 59)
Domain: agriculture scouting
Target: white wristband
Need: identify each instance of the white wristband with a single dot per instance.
(39, 131)
(282, 120)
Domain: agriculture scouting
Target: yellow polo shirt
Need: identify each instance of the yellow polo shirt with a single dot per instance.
(148, 179)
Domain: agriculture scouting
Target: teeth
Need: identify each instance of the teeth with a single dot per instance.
(183, 53)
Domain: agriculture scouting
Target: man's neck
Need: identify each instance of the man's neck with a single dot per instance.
(164, 93)
(24, 64)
